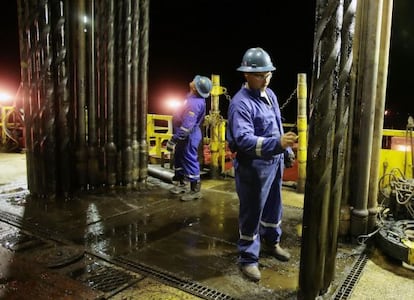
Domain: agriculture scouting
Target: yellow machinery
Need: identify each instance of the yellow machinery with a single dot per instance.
(11, 128)
(159, 131)
(397, 152)
(215, 127)
(395, 236)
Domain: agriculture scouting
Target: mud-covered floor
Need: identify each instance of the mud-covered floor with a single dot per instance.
(144, 243)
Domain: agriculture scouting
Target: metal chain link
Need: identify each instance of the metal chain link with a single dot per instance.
(228, 97)
(288, 100)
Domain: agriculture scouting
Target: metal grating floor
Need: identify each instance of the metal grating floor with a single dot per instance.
(345, 290)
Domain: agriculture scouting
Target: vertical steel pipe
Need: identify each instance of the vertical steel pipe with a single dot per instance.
(37, 101)
(119, 87)
(24, 41)
(70, 80)
(302, 122)
(65, 108)
(143, 84)
(32, 99)
(320, 148)
(339, 146)
(110, 146)
(48, 106)
(366, 62)
(134, 91)
(79, 50)
(379, 112)
(126, 139)
(101, 83)
(92, 160)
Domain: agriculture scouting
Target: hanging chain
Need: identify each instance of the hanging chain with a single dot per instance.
(288, 100)
(228, 97)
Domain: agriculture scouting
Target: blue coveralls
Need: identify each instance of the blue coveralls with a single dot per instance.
(187, 135)
(254, 131)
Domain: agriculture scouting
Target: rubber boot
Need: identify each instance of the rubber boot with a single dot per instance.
(251, 271)
(276, 251)
(194, 193)
(180, 186)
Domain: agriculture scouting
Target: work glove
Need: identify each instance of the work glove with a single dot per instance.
(289, 158)
(171, 145)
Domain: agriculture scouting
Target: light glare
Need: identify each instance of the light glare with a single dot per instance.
(403, 148)
(173, 103)
(4, 97)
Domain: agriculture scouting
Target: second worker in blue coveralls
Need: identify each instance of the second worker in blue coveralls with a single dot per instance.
(187, 137)
(255, 132)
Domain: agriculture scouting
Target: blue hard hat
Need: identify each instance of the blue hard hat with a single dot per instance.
(203, 85)
(256, 60)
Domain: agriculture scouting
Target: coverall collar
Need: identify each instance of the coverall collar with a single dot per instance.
(192, 95)
(252, 92)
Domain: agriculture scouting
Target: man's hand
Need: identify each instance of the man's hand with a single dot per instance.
(170, 146)
(288, 139)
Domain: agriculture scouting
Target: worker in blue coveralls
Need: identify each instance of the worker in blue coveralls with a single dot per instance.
(256, 134)
(186, 139)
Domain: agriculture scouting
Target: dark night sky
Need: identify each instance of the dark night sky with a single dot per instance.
(9, 49)
(211, 38)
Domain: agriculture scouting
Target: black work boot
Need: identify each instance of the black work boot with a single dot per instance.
(180, 185)
(251, 271)
(194, 192)
(276, 251)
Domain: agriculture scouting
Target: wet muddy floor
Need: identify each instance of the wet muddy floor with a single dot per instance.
(144, 243)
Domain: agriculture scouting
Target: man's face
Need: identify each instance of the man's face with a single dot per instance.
(258, 81)
(192, 87)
